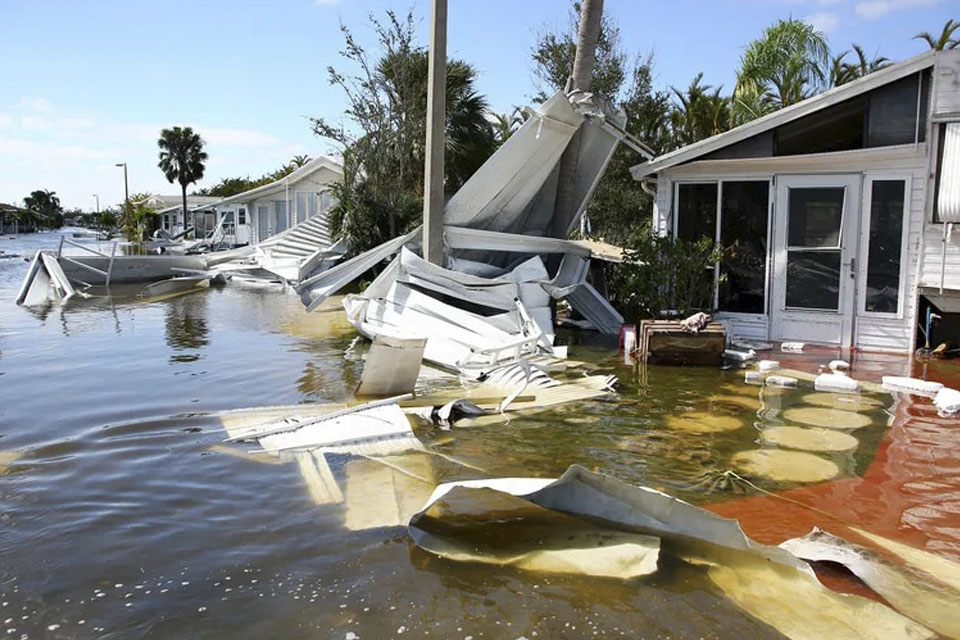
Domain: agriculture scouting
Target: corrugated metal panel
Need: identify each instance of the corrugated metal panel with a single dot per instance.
(947, 86)
(948, 197)
(588, 302)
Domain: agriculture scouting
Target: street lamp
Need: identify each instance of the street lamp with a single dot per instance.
(97, 198)
(126, 190)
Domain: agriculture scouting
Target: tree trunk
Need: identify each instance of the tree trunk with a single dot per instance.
(591, 12)
(183, 190)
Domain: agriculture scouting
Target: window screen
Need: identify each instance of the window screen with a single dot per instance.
(883, 252)
(743, 234)
(697, 211)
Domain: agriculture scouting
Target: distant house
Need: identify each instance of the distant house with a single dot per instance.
(262, 212)
(14, 219)
(170, 209)
(835, 208)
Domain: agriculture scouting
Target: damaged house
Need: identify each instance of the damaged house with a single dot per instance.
(836, 210)
(506, 252)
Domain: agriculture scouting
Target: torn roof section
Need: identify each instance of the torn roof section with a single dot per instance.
(515, 189)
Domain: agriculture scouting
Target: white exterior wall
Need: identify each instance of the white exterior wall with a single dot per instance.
(883, 332)
(895, 332)
(946, 107)
(316, 182)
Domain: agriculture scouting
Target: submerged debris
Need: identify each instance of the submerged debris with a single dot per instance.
(479, 521)
(704, 422)
(908, 589)
(809, 439)
(785, 466)
(846, 401)
(831, 418)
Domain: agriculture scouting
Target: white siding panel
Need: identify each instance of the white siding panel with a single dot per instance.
(661, 208)
(947, 85)
(744, 326)
(933, 258)
(875, 332)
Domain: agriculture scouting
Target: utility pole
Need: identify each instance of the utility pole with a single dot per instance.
(126, 193)
(436, 135)
(591, 14)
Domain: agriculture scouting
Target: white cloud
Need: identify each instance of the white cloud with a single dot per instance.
(51, 151)
(33, 123)
(875, 9)
(36, 104)
(73, 152)
(824, 21)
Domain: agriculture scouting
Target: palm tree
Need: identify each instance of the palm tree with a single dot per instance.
(470, 136)
(839, 69)
(699, 112)
(298, 161)
(787, 64)
(945, 40)
(182, 159)
(45, 205)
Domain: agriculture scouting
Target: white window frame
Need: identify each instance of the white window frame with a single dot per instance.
(863, 254)
(771, 194)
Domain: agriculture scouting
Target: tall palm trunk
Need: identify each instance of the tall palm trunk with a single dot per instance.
(591, 13)
(183, 190)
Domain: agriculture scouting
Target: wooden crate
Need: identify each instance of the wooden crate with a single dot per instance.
(666, 342)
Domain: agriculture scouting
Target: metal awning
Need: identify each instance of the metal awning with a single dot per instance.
(947, 302)
(948, 196)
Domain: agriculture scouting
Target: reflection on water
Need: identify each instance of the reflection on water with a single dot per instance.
(185, 326)
(125, 515)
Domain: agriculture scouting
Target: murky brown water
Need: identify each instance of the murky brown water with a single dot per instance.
(122, 516)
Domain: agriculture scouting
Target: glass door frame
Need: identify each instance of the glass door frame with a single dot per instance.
(817, 326)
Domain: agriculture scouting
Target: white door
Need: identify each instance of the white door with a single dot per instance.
(243, 227)
(815, 241)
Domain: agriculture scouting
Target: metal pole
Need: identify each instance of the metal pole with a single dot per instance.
(126, 192)
(436, 135)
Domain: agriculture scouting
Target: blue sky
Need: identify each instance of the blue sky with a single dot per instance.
(84, 85)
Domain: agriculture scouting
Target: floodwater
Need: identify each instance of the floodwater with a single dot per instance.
(123, 514)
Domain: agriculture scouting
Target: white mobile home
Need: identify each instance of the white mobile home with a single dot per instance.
(170, 209)
(835, 208)
(262, 212)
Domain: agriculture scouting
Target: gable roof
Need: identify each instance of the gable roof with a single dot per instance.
(787, 114)
(320, 162)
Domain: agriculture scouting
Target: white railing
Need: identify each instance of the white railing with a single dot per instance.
(106, 274)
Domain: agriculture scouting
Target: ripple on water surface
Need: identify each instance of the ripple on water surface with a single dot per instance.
(125, 515)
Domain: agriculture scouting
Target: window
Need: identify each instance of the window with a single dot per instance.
(263, 222)
(832, 129)
(816, 217)
(744, 214)
(744, 210)
(280, 215)
(697, 211)
(302, 202)
(887, 200)
(814, 224)
(326, 201)
(241, 216)
(887, 115)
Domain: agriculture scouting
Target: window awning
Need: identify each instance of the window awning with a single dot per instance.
(948, 197)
